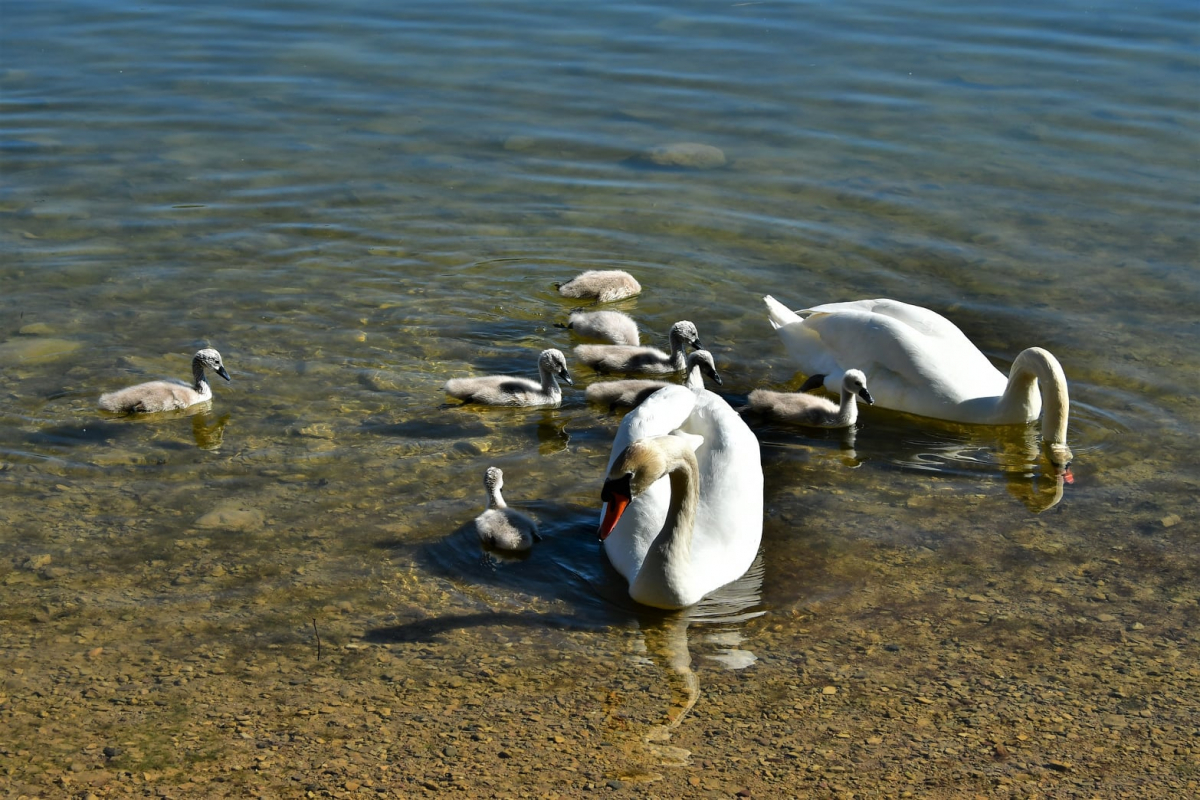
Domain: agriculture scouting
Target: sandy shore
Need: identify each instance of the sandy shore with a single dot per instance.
(1052, 678)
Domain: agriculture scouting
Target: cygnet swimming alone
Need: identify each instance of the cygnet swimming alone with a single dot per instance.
(505, 390)
(609, 326)
(631, 393)
(168, 395)
(624, 358)
(808, 409)
(604, 286)
(500, 526)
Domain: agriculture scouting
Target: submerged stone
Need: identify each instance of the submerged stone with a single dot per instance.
(690, 155)
(30, 348)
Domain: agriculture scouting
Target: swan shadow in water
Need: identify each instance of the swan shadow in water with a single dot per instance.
(568, 566)
(208, 430)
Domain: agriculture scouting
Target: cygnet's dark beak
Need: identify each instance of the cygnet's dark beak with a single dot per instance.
(865, 396)
(717, 378)
(696, 344)
(221, 371)
(566, 376)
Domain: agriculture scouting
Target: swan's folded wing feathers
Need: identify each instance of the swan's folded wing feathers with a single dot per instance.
(661, 413)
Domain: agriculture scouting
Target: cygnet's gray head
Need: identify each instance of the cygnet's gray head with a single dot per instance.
(855, 382)
(493, 480)
(708, 366)
(211, 359)
(554, 362)
(686, 332)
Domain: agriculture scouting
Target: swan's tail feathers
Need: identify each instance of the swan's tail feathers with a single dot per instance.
(779, 314)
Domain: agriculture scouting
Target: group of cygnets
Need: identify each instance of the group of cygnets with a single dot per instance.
(682, 499)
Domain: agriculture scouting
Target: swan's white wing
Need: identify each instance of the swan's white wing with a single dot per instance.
(915, 360)
(661, 413)
(730, 515)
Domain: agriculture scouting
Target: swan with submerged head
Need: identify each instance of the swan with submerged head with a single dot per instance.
(602, 285)
(607, 326)
(919, 362)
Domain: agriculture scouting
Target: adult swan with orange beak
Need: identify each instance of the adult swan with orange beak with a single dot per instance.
(683, 498)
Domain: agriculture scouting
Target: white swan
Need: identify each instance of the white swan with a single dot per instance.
(810, 409)
(169, 395)
(683, 498)
(603, 285)
(918, 361)
(504, 390)
(631, 393)
(623, 358)
(609, 326)
(500, 526)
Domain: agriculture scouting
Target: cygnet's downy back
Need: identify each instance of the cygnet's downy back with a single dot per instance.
(506, 390)
(168, 395)
(607, 326)
(501, 527)
(604, 286)
(631, 393)
(812, 410)
(623, 358)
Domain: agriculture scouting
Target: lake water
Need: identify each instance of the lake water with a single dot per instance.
(354, 204)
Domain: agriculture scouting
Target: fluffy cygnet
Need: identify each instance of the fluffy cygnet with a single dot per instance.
(808, 409)
(603, 285)
(609, 326)
(624, 358)
(504, 390)
(168, 395)
(500, 526)
(631, 393)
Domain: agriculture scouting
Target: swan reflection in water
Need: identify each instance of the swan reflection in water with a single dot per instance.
(666, 641)
(1016, 451)
(208, 429)
(1013, 452)
(565, 582)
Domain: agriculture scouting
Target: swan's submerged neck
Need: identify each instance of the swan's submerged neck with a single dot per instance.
(665, 574)
(1036, 369)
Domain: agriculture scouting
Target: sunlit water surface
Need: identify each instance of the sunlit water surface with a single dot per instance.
(354, 204)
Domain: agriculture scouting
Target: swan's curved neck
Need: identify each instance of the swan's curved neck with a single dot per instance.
(549, 382)
(1036, 365)
(848, 410)
(695, 378)
(663, 579)
(678, 360)
(495, 499)
(199, 382)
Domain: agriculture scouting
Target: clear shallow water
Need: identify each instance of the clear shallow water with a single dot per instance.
(354, 205)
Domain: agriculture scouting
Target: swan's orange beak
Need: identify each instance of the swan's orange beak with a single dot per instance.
(616, 494)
